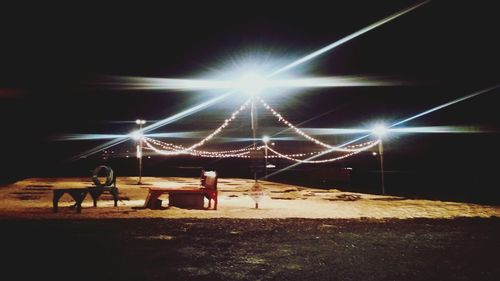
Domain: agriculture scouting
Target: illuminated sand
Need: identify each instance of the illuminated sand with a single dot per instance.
(32, 198)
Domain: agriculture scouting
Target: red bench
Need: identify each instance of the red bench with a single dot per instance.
(186, 197)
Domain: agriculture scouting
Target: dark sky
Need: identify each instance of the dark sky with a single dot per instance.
(52, 58)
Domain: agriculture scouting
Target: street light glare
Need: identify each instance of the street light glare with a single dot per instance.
(265, 139)
(380, 130)
(136, 135)
(251, 83)
(140, 122)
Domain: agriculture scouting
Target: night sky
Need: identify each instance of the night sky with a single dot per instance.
(53, 61)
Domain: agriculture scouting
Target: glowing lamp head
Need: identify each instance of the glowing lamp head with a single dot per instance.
(136, 135)
(140, 122)
(380, 131)
(265, 139)
(251, 83)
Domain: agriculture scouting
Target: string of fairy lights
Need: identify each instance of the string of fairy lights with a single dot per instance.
(302, 133)
(291, 157)
(170, 149)
(180, 148)
(221, 127)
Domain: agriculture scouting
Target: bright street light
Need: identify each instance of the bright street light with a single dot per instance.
(251, 83)
(136, 135)
(380, 130)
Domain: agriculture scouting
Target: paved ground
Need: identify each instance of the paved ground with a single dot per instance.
(251, 249)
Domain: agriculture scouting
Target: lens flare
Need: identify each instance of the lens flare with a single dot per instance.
(346, 39)
(401, 122)
(210, 102)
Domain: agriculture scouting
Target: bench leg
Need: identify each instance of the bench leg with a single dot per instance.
(114, 192)
(95, 195)
(212, 196)
(78, 196)
(216, 201)
(55, 201)
(146, 202)
(151, 200)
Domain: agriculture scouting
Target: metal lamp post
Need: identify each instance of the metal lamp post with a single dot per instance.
(381, 153)
(265, 139)
(253, 116)
(252, 84)
(139, 122)
(381, 131)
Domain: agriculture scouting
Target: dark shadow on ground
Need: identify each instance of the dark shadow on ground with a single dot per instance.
(236, 249)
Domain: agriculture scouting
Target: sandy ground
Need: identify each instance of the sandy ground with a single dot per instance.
(32, 198)
(297, 233)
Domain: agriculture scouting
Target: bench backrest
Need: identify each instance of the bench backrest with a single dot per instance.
(209, 179)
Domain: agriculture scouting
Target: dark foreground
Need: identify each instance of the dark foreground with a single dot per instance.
(231, 249)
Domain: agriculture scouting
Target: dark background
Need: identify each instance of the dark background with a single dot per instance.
(52, 60)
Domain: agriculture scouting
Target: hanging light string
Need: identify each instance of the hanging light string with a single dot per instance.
(179, 149)
(172, 146)
(324, 160)
(221, 127)
(171, 151)
(354, 148)
(302, 133)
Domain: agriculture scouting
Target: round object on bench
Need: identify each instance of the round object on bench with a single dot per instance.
(108, 173)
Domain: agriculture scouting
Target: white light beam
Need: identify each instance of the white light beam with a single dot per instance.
(214, 100)
(347, 38)
(154, 126)
(144, 83)
(398, 123)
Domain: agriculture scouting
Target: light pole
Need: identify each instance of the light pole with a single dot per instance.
(381, 131)
(139, 122)
(252, 84)
(381, 153)
(253, 116)
(265, 139)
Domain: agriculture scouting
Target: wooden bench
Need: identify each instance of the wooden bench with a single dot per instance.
(186, 197)
(79, 194)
